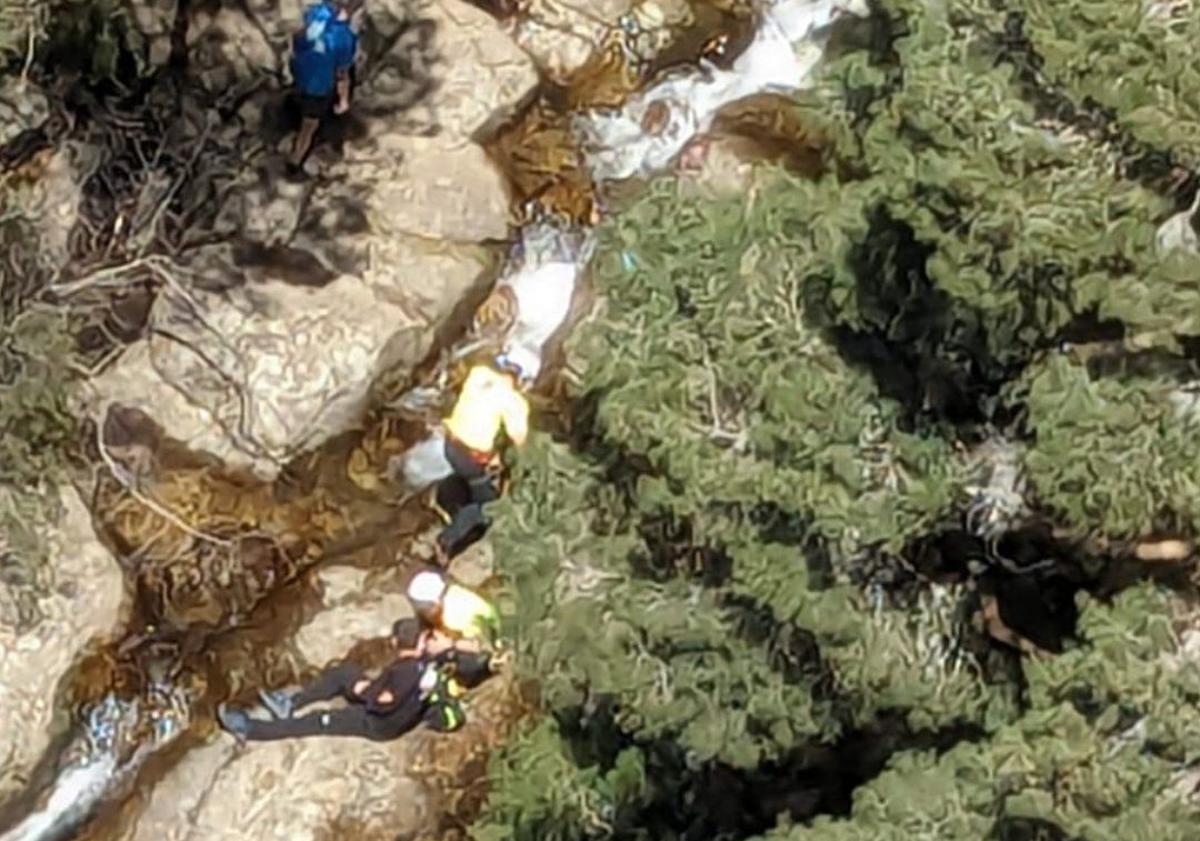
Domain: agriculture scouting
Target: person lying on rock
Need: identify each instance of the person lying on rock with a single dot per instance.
(322, 65)
(490, 402)
(416, 688)
(445, 607)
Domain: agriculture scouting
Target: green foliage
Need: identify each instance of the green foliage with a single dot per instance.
(1028, 228)
(1112, 455)
(1101, 751)
(37, 431)
(1142, 65)
(97, 38)
(36, 424)
(22, 24)
(543, 795)
(604, 603)
(683, 571)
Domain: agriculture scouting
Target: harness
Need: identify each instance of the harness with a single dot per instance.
(443, 698)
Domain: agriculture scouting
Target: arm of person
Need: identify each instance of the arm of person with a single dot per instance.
(346, 54)
(383, 695)
(468, 645)
(516, 420)
(343, 92)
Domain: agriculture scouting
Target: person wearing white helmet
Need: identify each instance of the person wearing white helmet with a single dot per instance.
(489, 403)
(444, 605)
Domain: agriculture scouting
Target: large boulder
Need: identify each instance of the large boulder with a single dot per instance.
(259, 369)
(482, 77)
(562, 36)
(301, 790)
(84, 605)
(226, 47)
(155, 20)
(432, 189)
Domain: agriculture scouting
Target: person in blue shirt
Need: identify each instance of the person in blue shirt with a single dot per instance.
(322, 62)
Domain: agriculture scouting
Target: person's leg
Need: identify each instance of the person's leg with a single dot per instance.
(312, 111)
(462, 462)
(468, 522)
(336, 681)
(304, 140)
(353, 722)
(479, 483)
(472, 669)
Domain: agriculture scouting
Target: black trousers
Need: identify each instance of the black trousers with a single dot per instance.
(468, 518)
(354, 720)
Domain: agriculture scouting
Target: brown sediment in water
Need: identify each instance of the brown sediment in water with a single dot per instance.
(544, 163)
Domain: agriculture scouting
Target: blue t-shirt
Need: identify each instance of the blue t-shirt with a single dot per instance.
(326, 46)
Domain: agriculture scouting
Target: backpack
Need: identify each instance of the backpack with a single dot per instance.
(325, 44)
(317, 18)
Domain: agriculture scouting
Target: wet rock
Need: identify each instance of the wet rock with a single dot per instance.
(256, 373)
(654, 125)
(300, 790)
(85, 605)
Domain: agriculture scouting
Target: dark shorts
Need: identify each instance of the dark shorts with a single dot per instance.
(316, 107)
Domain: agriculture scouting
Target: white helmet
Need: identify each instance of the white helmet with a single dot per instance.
(426, 588)
(522, 361)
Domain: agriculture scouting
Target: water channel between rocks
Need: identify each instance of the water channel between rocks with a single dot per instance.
(227, 570)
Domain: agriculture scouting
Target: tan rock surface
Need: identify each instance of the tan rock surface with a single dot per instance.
(226, 47)
(256, 373)
(561, 35)
(482, 76)
(436, 190)
(85, 605)
(355, 610)
(22, 106)
(296, 790)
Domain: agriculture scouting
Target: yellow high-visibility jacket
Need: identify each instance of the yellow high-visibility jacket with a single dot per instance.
(488, 401)
(467, 614)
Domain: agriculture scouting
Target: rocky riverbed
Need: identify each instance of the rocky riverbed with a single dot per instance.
(241, 521)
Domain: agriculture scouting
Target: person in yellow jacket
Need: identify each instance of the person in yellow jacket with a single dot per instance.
(490, 402)
(445, 607)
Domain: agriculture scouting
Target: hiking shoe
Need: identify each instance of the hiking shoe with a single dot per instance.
(279, 703)
(234, 721)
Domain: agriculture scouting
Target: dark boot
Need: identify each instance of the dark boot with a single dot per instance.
(234, 721)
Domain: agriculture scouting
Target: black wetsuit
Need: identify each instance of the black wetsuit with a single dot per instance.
(365, 717)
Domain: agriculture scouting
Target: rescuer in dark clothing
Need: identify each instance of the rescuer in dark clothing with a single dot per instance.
(415, 689)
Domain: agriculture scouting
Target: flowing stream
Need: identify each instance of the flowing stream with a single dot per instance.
(217, 602)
